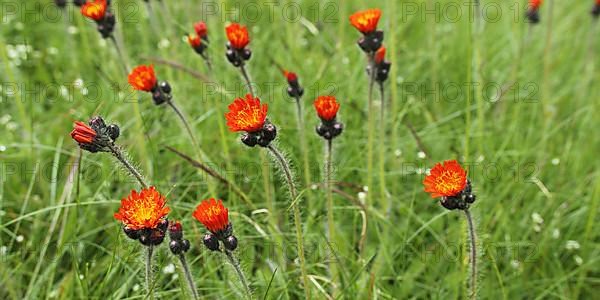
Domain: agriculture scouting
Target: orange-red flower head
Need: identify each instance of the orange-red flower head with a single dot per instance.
(201, 29)
(246, 114)
(237, 36)
(445, 180)
(194, 41)
(366, 21)
(142, 78)
(290, 76)
(380, 55)
(213, 215)
(144, 210)
(82, 133)
(535, 4)
(327, 107)
(95, 10)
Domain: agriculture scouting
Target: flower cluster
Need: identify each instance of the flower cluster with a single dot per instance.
(215, 217)
(143, 78)
(95, 136)
(382, 67)
(449, 181)
(99, 11)
(143, 216)
(596, 9)
(532, 13)
(178, 244)
(249, 115)
(294, 89)
(327, 108)
(199, 41)
(366, 22)
(238, 39)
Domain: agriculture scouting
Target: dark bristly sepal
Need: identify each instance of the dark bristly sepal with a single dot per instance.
(237, 57)
(533, 16)
(211, 242)
(131, 233)
(329, 129)
(230, 243)
(107, 25)
(371, 42)
(79, 2)
(461, 201)
(383, 70)
(596, 10)
(61, 3)
(161, 93)
(263, 137)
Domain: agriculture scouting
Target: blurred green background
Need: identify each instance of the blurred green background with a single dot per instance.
(516, 103)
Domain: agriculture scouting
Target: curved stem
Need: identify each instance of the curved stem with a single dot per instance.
(188, 276)
(247, 79)
(149, 282)
(473, 256)
(297, 219)
(238, 269)
(116, 152)
(190, 133)
(122, 57)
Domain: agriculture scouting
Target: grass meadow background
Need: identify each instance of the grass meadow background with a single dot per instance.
(517, 104)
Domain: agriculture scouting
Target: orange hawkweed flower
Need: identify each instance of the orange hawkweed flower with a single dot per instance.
(144, 210)
(380, 55)
(290, 76)
(83, 134)
(327, 107)
(213, 215)
(366, 21)
(445, 180)
(194, 41)
(142, 78)
(94, 10)
(535, 4)
(237, 36)
(201, 29)
(246, 114)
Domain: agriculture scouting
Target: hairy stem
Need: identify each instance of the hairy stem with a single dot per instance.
(238, 269)
(297, 219)
(118, 154)
(188, 276)
(371, 127)
(149, 282)
(473, 256)
(330, 220)
(247, 79)
(382, 149)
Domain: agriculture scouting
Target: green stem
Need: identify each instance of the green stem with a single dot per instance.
(371, 127)
(303, 143)
(297, 219)
(188, 276)
(330, 217)
(238, 269)
(247, 79)
(473, 256)
(118, 154)
(190, 133)
(149, 282)
(381, 147)
(122, 57)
